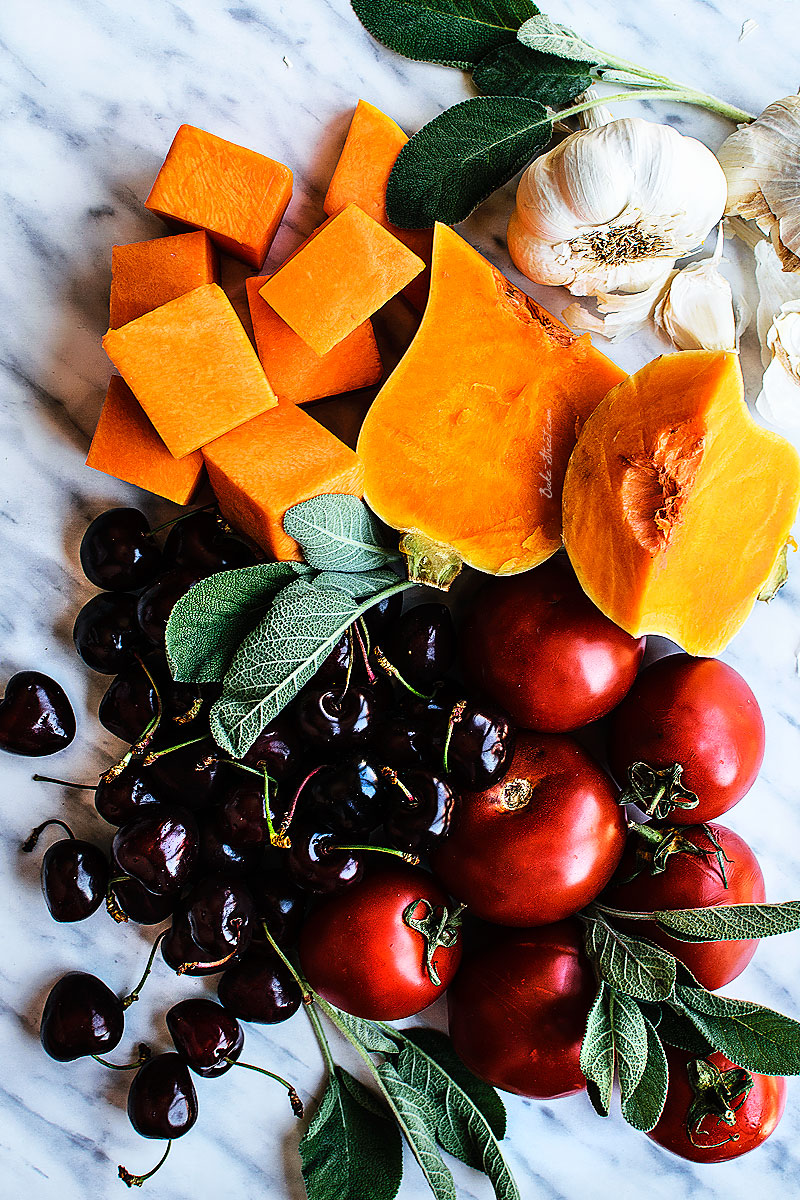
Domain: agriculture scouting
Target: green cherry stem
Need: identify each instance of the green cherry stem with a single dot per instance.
(82, 787)
(33, 837)
(144, 1054)
(294, 1099)
(405, 855)
(138, 1180)
(391, 670)
(133, 996)
(183, 517)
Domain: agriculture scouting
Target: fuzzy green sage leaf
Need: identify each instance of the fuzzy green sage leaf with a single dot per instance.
(633, 966)
(598, 1052)
(455, 33)
(460, 157)
(630, 1040)
(515, 70)
(338, 533)
(416, 1116)
(646, 1102)
(358, 584)
(730, 922)
(750, 1035)
(546, 36)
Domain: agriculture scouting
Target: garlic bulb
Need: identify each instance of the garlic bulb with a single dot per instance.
(696, 311)
(762, 164)
(610, 209)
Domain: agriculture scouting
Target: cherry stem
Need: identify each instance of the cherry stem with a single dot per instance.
(154, 755)
(146, 738)
(294, 1099)
(390, 669)
(112, 904)
(407, 857)
(33, 837)
(133, 996)
(186, 717)
(142, 1057)
(182, 517)
(303, 984)
(277, 837)
(364, 646)
(234, 762)
(309, 998)
(138, 1180)
(455, 716)
(219, 962)
(394, 780)
(283, 828)
(351, 654)
(83, 787)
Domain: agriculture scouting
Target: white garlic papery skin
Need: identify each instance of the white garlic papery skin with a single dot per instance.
(779, 401)
(619, 314)
(696, 312)
(610, 209)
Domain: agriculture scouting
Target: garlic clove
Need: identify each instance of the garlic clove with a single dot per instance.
(775, 288)
(778, 402)
(618, 314)
(696, 312)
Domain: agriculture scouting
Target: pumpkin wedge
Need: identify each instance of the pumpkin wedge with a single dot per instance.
(677, 505)
(465, 446)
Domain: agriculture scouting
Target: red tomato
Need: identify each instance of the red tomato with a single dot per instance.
(538, 845)
(691, 1125)
(518, 1011)
(364, 949)
(537, 645)
(694, 881)
(700, 713)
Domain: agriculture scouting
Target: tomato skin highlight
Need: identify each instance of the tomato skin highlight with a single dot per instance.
(357, 952)
(698, 712)
(756, 1118)
(537, 645)
(693, 882)
(542, 861)
(518, 1009)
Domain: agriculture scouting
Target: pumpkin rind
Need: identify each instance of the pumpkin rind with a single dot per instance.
(677, 504)
(468, 441)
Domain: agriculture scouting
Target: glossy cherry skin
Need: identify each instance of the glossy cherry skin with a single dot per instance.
(537, 645)
(408, 739)
(315, 864)
(180, 950)
(539, 845)
(162, 1102)
(221, 914)
(714, 1141)
(240, 816)
(200, 543)
(159, 848)
(36, 717)
(331, 720)
(117, 552)
(106, 632)
(74, 879)
(124, 797)
(333, 672)
(383, 616)
(219, 856)
(260, 988)
(278, 900)
(128, 705)
(206, 1036)
(518, 1009)
(693, 881)
(189, 776)
(357, 950)
(481, 745)
(348, 797)
(278, 747)
(421, 810)
(157, 601)
(698, 712)
(422, 644)
(81, 1016)
(141, 906)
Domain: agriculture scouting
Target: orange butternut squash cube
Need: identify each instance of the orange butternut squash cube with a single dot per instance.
(370, 151)
(339, 278)
(265, 467)
(237, 195)
(126, 445)
(145, 275)
(192, 368)
(296, 374)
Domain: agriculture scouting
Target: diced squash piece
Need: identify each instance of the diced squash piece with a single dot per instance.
(466, 444)
(298, 375)
(126, 445)
(677, 505)
(237, 195)
(145, 275)
(265, 467)
(370, 150)
(342, 275)
(192, 368)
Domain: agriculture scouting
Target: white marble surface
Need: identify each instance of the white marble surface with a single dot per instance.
(92, 92)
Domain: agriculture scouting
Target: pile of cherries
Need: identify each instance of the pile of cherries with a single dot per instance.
(367, 760)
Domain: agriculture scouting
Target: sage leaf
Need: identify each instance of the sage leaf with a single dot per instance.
(598, 1052)
(515, 70)
(369, 1034)
(750, 1035)
(418, 1122)
(630, 1041)
(676, 1029)
(460, 157)
(352, 1148)
(482, 1095)
(646, 1102)
(207, 624)
(630, 965)
(546, 36)
(730, 922)
(338, 533)
(453, 32)
(428, 1064)
(358, 584)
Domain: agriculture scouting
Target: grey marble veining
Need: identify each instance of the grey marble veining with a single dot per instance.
(91, 92)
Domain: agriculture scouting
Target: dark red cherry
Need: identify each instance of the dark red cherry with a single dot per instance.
(74, 879)
(421, 809)
(129, 704)
(332, 720)
(278, 900)
(382, 616)
(123, 797)
(106, 632)
(162, 1102)
(317, 866)
(117, 552)
(189, 774)
(157, 601)
(260, 988)
(159, 848)
(347, 797)
(36, 717)
(333, 672)
(139, 905)
(181, 952)
(278, 747)
(206, 1036)
(408, 739)
(219, 856)
(81, 1016)
(481, 744)
(422, 644)
(200, 542)
(240, 814)
(220, 913)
